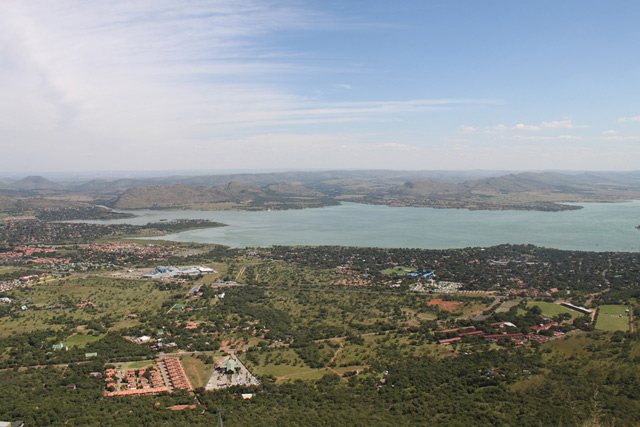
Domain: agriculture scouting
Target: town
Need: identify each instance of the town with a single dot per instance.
(187, 325)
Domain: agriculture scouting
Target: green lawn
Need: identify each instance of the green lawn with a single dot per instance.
(281, 362)
(197, 371)
(612, 318)
(398, 270)
(552, 309)
(81, 340)
(507, 305)
(134, 365)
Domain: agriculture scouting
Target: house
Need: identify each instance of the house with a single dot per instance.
(60, 346)
(471, 333)
(543, 327)
(504, 324)
(180, 407)
(191, 325)
(90, 355)
(449, 341)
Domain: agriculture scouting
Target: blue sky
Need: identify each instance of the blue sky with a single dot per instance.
(91, 85)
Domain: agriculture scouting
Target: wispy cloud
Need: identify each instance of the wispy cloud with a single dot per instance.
(556, 124)
(544, 138)
(622, 138)
(152, 76)
(629, 119)
(501, 128)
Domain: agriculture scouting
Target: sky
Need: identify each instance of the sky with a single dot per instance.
(416, 84)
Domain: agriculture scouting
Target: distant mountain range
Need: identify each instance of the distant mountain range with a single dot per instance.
(469, 189)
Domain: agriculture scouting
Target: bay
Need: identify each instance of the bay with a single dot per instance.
(596, 227)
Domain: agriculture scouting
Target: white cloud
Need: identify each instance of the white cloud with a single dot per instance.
(629, 119)
(558, 124)
(623, 138)
(609, 132)
(521, 126)
(555, 124)
(119, 84)
(467, 129)
(544, 138)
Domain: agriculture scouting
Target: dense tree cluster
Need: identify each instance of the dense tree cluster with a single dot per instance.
(497, 267)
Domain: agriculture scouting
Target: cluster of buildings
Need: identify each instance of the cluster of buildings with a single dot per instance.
(174, 372)
(152, 252)
(516, 338)
(507, 261)
(437, 287)
(132, 381)
(169, 272)
(24, 281)
(230, 372)
(25, 253)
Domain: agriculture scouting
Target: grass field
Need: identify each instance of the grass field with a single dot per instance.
(507, 305)
(278, 362)
(114, 297)
(552, 309)
(134, 365)
(612, 318)
(398, 270)
(80, 340)
(310, 374)
(197, 371)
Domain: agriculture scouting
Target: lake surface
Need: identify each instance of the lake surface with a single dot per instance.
(596, 227)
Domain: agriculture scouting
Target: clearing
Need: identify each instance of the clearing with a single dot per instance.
(613, 318)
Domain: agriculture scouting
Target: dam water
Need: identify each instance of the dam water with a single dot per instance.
(595, 227)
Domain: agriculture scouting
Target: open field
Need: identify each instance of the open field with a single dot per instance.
(134, 365)
(310, 374)
(445, 305)
(398, 270)
(277, 362)
(81, 340)
(613, 318)
(197, 371)
(109, 297)
(552, 309)
(507, 305)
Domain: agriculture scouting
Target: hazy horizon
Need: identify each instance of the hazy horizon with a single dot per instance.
(141, 174)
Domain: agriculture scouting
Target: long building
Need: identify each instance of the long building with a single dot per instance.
(576, 308)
